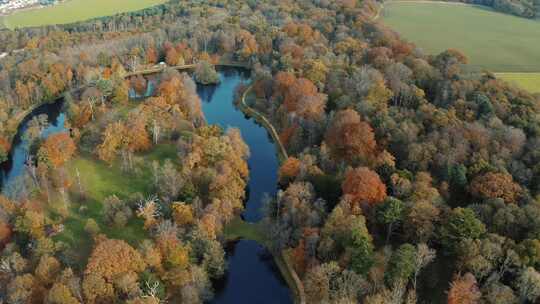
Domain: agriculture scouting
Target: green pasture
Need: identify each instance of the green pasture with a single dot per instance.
(74, 10)
(494, 41)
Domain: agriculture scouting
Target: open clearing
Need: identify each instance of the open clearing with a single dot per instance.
(494, 41)
(100, 181)
(74, 10)
(527, 81)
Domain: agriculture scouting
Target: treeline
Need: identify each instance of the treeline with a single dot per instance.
(523, 8)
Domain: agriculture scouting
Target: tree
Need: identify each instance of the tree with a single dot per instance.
(151, 55)
(350, 139)
(464, 290)
(60, 294)
(528, 284)
(32, 223)
(5, 232)
(289, 169)
(389, 213)
(5, 147)
(460, 224)
(113, 257)
(420, 221)
(497, 293)
(361, 251)
(214, 259)
(91, 227)
(112, 141)
(47, 269)
(496, 185)
(96, 290)
(170, 181)
(318, 282)
(401, 265)
(183, 214)
(121, 93)
(173, 57)
(361, 185)
(205, 73)
(529, 252)
(57, 150)
(299, 89)
(424, 256)
(21, 289)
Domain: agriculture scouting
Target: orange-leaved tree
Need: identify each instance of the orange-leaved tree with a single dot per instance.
(57, 149)
(362, 185)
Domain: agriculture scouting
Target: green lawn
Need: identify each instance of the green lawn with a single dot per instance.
(100, 180)
(239, 229)
(496, 41)
(527, 81)
(75, 10)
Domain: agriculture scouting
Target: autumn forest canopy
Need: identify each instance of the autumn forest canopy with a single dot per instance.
(405, 179)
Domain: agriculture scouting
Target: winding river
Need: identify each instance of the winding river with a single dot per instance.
(11, 170)
(252, 276)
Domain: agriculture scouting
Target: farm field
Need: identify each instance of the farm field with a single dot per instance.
(74, 10)
(527, 81)
(494, 41)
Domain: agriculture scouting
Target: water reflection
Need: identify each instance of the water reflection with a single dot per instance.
(252, 276)
(14, 168)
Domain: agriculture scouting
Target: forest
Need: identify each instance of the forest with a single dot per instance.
(407, 180)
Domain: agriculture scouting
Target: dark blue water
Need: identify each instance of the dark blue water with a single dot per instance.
(252, 276)
(218, 108)
(15, 166)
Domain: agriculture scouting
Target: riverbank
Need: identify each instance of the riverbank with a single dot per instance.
(281, 258)
(239, 229)
(261, 119)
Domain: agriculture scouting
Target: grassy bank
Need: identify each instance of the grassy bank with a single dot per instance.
(492, 40)
(74, 10)
(239, 229)
(527, 81)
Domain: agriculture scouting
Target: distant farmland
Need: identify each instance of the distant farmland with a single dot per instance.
(527, 81)
(74, 10)
(491, 40)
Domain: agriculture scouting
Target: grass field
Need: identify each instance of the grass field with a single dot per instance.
(74, 10)
(100, 181)
(527, 81)
(495, 41)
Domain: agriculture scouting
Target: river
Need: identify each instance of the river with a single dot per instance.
(11, 170)
(252, 276)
